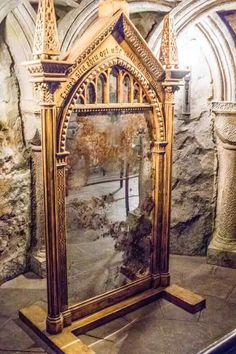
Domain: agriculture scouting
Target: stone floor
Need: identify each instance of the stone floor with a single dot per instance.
(158, 328)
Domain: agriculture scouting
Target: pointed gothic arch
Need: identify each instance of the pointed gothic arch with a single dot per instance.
(76, 92)
(218, 42)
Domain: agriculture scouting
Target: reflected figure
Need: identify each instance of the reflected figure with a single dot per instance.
(108, 202)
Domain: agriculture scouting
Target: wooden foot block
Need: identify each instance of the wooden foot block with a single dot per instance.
(184, 298)
(63, 343)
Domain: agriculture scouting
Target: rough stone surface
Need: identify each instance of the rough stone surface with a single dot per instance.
(193, 160)
(146, 22)
(15, 175)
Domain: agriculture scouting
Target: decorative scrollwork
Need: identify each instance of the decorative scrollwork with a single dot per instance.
(93, 46)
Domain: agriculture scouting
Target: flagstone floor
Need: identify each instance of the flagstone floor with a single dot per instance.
(158, 328)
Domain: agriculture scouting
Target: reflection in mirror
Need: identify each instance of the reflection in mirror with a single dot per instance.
(91, 94)
(113, 85)
(101, 82)
(126, 89)
(136, 93)
(108, 202)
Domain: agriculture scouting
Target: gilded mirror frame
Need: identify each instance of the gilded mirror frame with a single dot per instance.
(112, 41)
(158, 151)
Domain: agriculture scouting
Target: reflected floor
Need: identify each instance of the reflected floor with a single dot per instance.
(93, 261)
(163, 328)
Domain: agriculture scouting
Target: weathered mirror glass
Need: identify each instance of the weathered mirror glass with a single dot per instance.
(108, 201)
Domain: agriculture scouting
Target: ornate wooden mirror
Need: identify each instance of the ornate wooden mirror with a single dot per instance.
(107, 113)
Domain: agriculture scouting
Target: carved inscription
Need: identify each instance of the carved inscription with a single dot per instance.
(97, 57)
(89, 63)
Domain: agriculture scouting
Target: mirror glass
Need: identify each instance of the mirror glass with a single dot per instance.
(108, 201)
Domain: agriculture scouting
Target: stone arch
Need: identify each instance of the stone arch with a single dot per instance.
(70, 102)
(21, 22)
(218, 42)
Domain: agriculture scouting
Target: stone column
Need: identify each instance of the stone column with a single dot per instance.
(38, 255)
(222, 249)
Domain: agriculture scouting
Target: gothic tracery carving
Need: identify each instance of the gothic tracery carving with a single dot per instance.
(149, 92)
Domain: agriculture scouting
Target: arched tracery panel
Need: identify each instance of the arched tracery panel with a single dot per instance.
(141, 93)
(122, 88)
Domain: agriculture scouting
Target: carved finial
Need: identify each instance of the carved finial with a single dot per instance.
(108, 8)
(169, 51)
(46, 43)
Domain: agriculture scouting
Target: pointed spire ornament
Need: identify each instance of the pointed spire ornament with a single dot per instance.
(46, 43)
(169, 51)
(46, 68)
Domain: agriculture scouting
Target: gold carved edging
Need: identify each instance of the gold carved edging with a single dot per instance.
(45, 93)
(139, 46)
(148, 62)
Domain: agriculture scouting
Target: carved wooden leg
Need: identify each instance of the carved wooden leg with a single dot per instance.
(54, 319)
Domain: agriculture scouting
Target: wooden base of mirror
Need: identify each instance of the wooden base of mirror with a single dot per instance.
(67, 341)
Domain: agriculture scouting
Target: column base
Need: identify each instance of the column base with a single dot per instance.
(156, 280)
(54, 325)
(223, 257)
(38, 264)
(165, 279)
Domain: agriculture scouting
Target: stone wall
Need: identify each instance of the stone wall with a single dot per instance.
(193, 201)
(14, 171)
